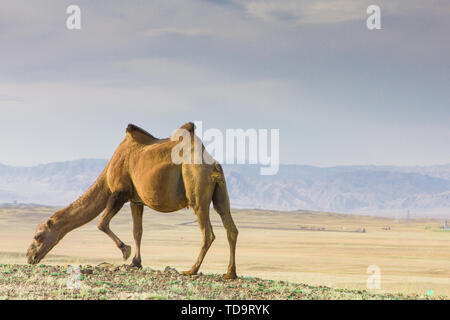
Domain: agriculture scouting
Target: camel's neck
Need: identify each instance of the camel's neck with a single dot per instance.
(71, 217)
(83, 210)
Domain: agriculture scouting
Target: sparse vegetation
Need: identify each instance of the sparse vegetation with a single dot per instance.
(123, 282)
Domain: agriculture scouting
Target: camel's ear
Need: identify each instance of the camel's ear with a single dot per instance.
(178, 134)
(189, 127)
(50, 223)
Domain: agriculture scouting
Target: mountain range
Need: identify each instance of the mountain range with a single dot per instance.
(374, 190)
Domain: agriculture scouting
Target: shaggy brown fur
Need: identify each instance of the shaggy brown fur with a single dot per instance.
(141, 171)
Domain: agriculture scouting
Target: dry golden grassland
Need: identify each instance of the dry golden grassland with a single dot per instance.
(414, 257)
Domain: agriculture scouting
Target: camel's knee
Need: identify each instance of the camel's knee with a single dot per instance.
(233, 234)
(103, 226)
(209, 239)
(138, 235)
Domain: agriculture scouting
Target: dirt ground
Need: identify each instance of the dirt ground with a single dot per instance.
(317, 249)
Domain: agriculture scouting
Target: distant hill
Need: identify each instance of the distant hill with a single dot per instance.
(55, 183)
(375, 190)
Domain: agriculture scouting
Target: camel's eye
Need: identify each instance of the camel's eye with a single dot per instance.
(38, 236)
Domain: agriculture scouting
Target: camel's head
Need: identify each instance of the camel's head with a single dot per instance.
(44, 240)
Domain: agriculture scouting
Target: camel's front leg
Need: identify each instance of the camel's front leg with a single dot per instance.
(115, 203)
(207, 238)
(136, 212)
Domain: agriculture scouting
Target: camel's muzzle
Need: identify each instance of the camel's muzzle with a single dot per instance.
(32, 256)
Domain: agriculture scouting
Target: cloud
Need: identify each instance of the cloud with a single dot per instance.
(310, 68)
(318, 11)
(332, 11)
(9, 98)
(160, 32)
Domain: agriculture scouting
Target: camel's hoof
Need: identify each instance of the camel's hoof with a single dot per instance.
(136, 264)
(189, 273)
(126, 252)
(229, 276)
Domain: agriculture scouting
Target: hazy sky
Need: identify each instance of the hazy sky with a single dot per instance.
(339, 93)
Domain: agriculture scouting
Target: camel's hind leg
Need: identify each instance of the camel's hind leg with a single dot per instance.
(222, 206)
(207, 237)
(115, 203)
(136, 212)
(232, 233)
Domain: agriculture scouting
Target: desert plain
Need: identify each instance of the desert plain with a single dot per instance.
(314, 248)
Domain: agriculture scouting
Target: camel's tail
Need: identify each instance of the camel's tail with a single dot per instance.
(87, 207)
(221, 201)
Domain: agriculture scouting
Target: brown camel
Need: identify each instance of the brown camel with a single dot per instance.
(142, 171)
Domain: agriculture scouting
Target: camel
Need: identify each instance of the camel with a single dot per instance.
(142, 172)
